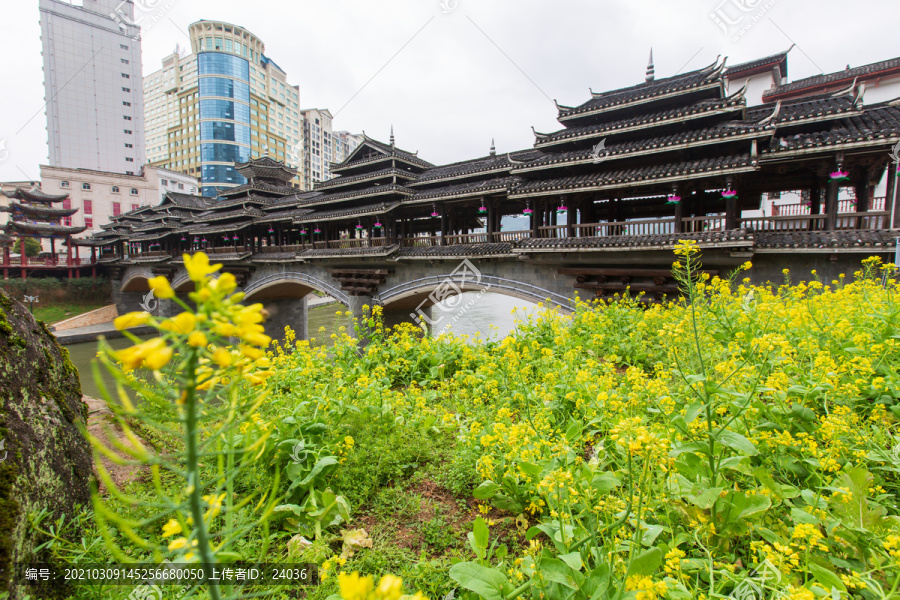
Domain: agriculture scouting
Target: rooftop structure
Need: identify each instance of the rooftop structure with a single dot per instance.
(630, 170)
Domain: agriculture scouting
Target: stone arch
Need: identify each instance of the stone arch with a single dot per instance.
(137, 281)
(291, 284)
(410, 294)
(182, 284)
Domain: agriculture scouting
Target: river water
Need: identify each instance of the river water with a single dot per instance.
(490, 316)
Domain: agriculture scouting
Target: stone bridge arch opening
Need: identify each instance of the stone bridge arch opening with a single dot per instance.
(286, 297)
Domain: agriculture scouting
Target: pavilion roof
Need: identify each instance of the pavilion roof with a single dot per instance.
(645, 121)
(220, 215)
(638, 176)
(709, 77)
(43, 229)
(377, 152)
(487, 165)
(41, 211)
(464, 190)
(386, 173)
(816, 82)
(378, 208)
(257, 186)
(35, 194)
(760, 64)
(265, 168)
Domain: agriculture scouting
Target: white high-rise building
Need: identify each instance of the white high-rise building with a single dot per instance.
(322, 146)
(93, 85)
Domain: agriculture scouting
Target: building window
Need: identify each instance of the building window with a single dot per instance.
(129, 172)
(64, 184)
(128, 90)
(129, 145)
(129, 159)
(134, 192)
(116, 209)
(126, 117)
(85, 186)
(88, 222)
(135, 206)
(126, 103)
(67, 204)
(180, 186)
(115, 189)
(123, 46)
(126, 76)
(127, 131)
(124, 61)
(88, 207)
(165, 182)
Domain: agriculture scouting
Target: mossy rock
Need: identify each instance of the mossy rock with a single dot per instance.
(48, 461)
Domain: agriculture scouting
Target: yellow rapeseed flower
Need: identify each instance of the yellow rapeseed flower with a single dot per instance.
(183, 323)
(354, 586)
(222, 357)
(171, 528)
(153, 354)
(198, 266)
(197, 339)
(132, 319)
(162, 289)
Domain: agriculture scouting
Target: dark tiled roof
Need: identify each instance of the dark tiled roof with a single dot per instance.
(638, 175)
(258, 186)
(878, 123)
(372, 176)
(802, 110)
(219, 215)
(354, 211)
(42, 211)
(35, 194)
(376, 190)
(248, 198)
(43, 229)
(215, 229)
(265, 168)
(474, 167)
(846, 76)
(282, 215)
(643, 91)
(189, 201)
(642, 121)
(472, 188)
(779, 59)
(457, 250)
(826, 239)
(386, 151)
(328, 252)
(293, 200)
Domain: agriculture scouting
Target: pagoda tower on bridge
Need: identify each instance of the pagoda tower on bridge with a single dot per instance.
(33, 214)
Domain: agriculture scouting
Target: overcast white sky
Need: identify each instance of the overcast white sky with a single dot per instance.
(449, 78)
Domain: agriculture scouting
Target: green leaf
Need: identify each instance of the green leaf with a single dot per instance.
(737, 442)
(605, 482)
(482, 535)
(557, 571)
(692, 411)
(573, 559)
(486, 490)
(646, 563)
(705, 499)
(321, 464)
(487, 583)
(530, 469)
(751, 505)
(826, 577)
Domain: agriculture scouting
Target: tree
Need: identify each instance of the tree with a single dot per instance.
(32, 246)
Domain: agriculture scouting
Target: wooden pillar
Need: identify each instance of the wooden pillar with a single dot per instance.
(731, 212)
(862, 190)
(444, 220)
(536, 220)
(489, 219)
(679, 217)
(890, 200)
(815, 201)
(831, 205)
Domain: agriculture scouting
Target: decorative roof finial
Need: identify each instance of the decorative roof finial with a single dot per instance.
(392, 136)
(493, 148)
(651, 72)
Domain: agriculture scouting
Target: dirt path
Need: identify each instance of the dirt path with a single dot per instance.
(99, 420)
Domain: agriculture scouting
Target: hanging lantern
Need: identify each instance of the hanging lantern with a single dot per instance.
(482, 210)
(235, 237)
(434, 211)
(317, 230)
(728, 194)
(527, 211)
(377, 225)
(303, 232)
(203, 240)
(562, 209)
(673, 199)
(183, 238)
(359, 227)
(271, 230)
(840, 175)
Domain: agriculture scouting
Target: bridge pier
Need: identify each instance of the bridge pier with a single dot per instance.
(286, 312)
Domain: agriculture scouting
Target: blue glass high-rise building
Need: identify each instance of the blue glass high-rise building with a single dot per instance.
(225, 102)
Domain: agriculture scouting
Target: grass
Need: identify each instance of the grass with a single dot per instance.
(59, 312)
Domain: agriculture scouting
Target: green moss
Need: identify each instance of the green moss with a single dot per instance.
(9, 513)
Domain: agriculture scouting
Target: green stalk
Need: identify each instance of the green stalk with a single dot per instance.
(193, 471)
